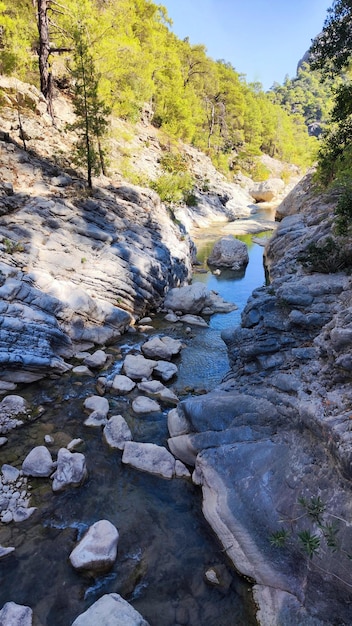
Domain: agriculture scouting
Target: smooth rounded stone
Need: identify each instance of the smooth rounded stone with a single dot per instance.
(137, 367)
(38, 463)
(187, 299)
(219, 576)
(171, 317)
(10, 474)
(49, 440)
(97, 403)
(96, 419)
(117, 432)
(150, 458)
(13, 405)
(81, 370)
(145, 320)
(177, 423)
(141, 405)
(5, 551)
(75, 443)
(165, 370)
(122, 384)
(194, 320)
(229, 252)
(6, 517)
(162, 348)
(145, 328)
(156, 389)
(21, 514)
(267, 190)
(71, 470)
(97, 550)
(96, 360)
(3, 440)
(13, 614)
(110, 610)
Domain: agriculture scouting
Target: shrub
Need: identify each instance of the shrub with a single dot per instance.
(343, 211)
(174, 188)
(327, 257)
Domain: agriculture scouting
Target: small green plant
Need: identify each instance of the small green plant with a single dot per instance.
(309, 542)
(279, 538)
(174, 162)
(343, 211)
(12, 246)
(173, 188)
(83, 259)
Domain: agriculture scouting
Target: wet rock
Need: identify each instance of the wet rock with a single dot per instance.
(229, 252)
(122, 384)
(38, 463)
(164, 348)
(143, 405)
(13, 614)
(117, 432)
(10, 474)
(156, 389)
(149, 457)
(71, 470)
(165, 370)
(97, 403)
(12, 408)
(75, 443)
(194, 320)
(96, 360)
(97, 550)
(5, 551)
(137, 367)
(3, 440)
(96, 419)
(110, 610)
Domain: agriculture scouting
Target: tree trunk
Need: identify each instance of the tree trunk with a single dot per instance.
(46, 85)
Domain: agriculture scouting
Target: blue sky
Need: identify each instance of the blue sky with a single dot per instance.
(263, 39)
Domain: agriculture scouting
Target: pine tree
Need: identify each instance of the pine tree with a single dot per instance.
(92, 114)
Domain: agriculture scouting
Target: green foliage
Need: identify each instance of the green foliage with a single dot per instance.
(174, 188)
(310, 542)
(90, 111)
(327, 257)
(343, 211)
(279, 538)
(12, 246)
(174, 162)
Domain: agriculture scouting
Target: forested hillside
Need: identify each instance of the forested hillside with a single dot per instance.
(122, 57)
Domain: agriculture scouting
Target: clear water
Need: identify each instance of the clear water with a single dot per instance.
(165, 545)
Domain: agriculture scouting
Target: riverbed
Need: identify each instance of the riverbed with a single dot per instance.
(165, 545)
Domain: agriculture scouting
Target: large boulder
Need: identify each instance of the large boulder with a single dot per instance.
(268, 190)
(149, 457)
(137, 367)
(117, 432)
(229, 252)
(161, 348)
(97, 550)
(110, 610)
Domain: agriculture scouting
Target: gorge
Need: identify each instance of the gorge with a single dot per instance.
(268, 446)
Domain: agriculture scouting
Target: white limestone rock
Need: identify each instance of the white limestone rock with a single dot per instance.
(137, 367)
(149, 457)
(96, 360)
(110, 610)
(13, 614)
(142, 405)
(117, 432)
(165, 370)
(229, 252)
(97, 403)
(38, 462)
(71, 470)
(162, 348)
(122, 384)
(156, 389)
(97, 550)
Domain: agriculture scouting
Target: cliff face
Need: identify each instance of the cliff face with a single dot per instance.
(272, 445)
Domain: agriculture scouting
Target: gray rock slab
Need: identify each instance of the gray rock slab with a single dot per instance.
(97, 550)
(156, 389)
(110, 610)
(150, 458)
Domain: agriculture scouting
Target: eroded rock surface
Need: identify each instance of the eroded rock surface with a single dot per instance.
(273, 441)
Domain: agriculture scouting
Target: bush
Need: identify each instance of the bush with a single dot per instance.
(174, 188)
(174, 162)
(327, 257)
(343, 211)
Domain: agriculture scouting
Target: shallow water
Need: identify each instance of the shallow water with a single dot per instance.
(165, 545)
